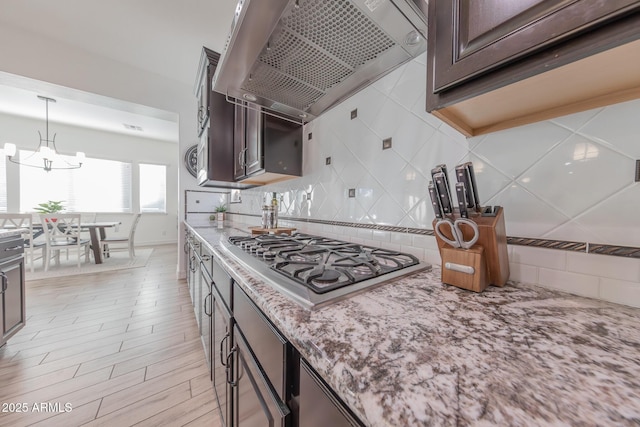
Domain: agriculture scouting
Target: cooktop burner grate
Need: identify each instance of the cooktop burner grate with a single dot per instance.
(323, 264)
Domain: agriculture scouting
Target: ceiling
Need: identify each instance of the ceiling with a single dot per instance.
(160, 36)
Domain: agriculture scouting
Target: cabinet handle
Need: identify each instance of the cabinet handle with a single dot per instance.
(5, 282)
(206, 258)
(13, 248)
(208, 313)
(240, 157)
(229, 368)
(221, 347)
(193, 264)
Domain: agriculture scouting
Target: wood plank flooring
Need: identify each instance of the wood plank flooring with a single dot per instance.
(118, 349)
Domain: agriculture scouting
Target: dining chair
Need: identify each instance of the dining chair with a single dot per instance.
(62, 231)
(24, 221)
(106, 242)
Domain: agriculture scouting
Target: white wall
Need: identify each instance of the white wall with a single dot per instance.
(27, 54)
(570, 178)
(153, 228)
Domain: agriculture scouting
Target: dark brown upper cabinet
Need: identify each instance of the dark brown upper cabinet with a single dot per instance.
(267, 149)
(208, 63)
(517, 53)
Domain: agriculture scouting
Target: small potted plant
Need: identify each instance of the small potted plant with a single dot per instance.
(49, 207)
(219, 215)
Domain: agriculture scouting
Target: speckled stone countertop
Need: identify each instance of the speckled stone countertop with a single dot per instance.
(10, 233)
(415, 352)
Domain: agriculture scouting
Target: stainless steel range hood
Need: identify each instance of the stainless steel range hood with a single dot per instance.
(301, 57)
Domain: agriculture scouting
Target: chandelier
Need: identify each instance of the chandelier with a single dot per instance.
(46, 153)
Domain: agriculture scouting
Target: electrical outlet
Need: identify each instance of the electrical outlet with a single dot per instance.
(637, 170)
(310, 136)
(327, 161)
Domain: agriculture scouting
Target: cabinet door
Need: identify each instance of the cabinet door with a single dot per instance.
(473, 37)
(282, 142)
(253, 140)
(238, 142)
(221, 347)
(255, 404)
(203, 101)
(317, 405)
(206, 314)
(13, 315)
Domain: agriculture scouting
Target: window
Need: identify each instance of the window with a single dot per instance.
(153, 188)
(3, 183)
(98, 186)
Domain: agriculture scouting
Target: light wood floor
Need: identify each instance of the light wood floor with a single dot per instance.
(119, 348)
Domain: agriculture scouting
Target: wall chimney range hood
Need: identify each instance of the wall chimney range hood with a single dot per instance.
(301, 57)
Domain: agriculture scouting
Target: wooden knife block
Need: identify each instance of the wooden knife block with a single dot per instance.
(474, 258)
(493, 240)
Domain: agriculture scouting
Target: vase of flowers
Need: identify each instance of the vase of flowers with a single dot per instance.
(49, 207)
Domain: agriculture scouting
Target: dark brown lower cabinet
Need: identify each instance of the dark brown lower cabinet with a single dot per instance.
(221, 362)
(258, 376)
(12, 295)
(255, 402)
(317, 405)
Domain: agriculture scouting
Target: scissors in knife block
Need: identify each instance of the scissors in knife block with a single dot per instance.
(458, 240)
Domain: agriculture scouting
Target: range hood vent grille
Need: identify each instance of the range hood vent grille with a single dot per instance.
(340, 29)
(315, 51)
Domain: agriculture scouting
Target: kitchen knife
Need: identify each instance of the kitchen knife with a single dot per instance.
(461, 194)
(466, 175)
(435, 201)
(474, 186)
(442, 168)
(463, 178)
(442, 190)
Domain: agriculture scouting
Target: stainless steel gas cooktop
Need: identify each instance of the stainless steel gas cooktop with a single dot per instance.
(315, 270)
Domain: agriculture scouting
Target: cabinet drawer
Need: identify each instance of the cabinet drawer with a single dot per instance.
(11, 248)
(267, 344)
(223, 283)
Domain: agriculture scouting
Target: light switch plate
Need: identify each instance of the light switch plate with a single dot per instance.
(352, 192)
(637, 170)
(354, 114)
(327, 161)
(386, 143)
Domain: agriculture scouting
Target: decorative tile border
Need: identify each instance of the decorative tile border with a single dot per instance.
(585, 247)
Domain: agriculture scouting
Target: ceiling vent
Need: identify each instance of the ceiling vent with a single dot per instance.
(132, 127)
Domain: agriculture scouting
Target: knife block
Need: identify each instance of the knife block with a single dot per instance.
(473, 258)
(493, 239)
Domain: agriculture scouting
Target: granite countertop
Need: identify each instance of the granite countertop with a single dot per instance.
(416, 352)
(4, 233)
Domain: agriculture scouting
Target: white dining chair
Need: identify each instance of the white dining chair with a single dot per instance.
(31, 244)
(129, 241)
(62, 231)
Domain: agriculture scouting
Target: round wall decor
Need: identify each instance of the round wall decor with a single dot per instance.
(191, 160)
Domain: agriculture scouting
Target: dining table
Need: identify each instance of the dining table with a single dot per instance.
(97, 233)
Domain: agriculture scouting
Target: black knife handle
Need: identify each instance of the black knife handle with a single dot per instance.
(474, 186)
(441, 188)
(435, 201)
(462, 174)
(461, 194)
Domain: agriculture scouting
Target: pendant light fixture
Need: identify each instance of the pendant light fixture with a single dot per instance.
(46, 153)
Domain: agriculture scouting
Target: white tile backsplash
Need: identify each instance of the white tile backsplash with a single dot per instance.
(619, 291)
(578, 284)
(604, 266)
(567, 178)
